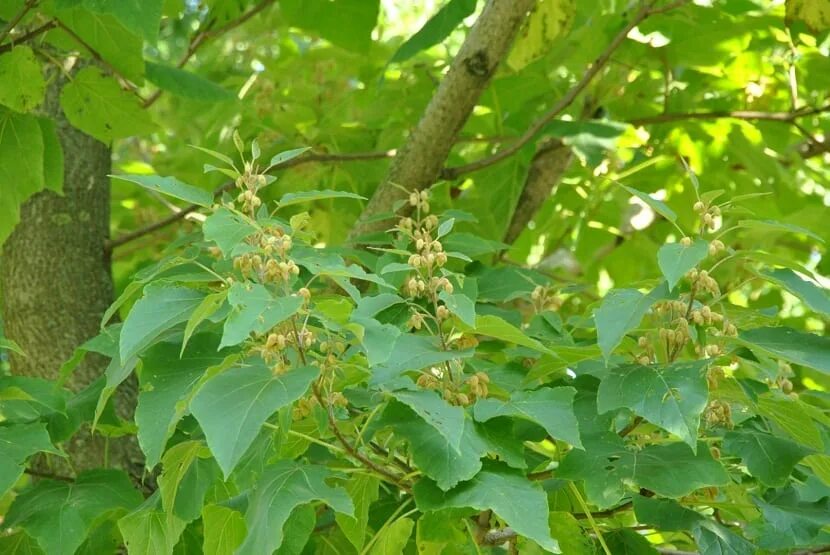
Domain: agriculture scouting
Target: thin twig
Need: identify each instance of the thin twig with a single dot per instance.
(783, 117)
(646, 11)
(300, 160)
(28, 36)
(28, 5)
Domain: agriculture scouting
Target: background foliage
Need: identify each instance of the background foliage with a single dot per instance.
(643, 368)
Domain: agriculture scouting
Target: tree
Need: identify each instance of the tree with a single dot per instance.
(545, 276)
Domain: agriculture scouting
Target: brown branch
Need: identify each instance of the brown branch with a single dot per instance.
(197, 40)
(28, 5)
(28, 36)
(419, 162)
(300, 160)
(646, 11)
(782, 117)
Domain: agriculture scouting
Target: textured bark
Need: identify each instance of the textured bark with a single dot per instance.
(56, 283)
(551, 160)
(418, 164)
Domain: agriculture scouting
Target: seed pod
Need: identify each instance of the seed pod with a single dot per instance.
(699, 207)
(413, 199)
(642, 342)
(644, 360)
(686, 241)
(440, 258)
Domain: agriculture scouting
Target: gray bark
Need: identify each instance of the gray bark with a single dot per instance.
(418, 163)
(56, 283)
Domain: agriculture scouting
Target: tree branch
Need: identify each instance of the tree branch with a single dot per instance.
(644, 12)
(300, 160)
(782, 117)
(419, 162)
(197, 40)
(28, 5)
(28, 36)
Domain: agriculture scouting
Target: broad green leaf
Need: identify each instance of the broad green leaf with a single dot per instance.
(439, 530)
(493, 326)
(59, 515)
(461, 305)
(793, 523)
(18, 442)
(284, 486)
(97, 105)
(821, 467)
(815, 297)
(19, 543)
(412, 353)
(675, 259)
(716, 539)
(115, 373)
(664, 514)
(141, 17)
(628, 541)
(770, 459)
(363, 490)
(9, 345)
(22, 85)
(227, 229)
(224, 530)
(287, 155)
(148, 531)
(551, 408)
(549, 20)
(431, 452)
(670, 396)
(166, 379)
(815, 13)
(447, 419)
(436, 29)
(218, 155)
(233, 406)
(290, 199)
(568, 532)
(368, 307)
(807, 349)
(110, 39)
(793, 417)
(25, 399)
(326, 17)
(392, 539)
(770, 225)
(606, 466)
(205, 310)
(187, 472)
(159, 309)
(186, 84)
(21, 165)
(521, 503)
(657, 205)
(254, 309)
(378, 340)
(621, 311)
(170, 186)
(297, 530)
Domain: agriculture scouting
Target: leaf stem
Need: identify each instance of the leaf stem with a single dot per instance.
(590, 517)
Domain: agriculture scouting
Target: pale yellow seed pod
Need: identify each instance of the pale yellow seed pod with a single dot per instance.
(440, 258)
(686, 241)
(642, 342)
(699, 207)
(413, 199)
(644, 360)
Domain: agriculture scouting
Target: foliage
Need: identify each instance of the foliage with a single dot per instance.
(644, 368)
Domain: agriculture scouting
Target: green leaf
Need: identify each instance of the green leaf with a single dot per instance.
(392, 539)
(794, 523)
(166, 379)
(254, 309)
(290, 199)
(21, 165)
(24, 399)
(282, 487)
(715, 539)
(187, 472)
(461, 305)
(522, 504)
(815, 13)
(550, 407)
(770, 459)
(792, 416)
(233, 406)
(170, 186)
(493, 326)
(9, 345)
(18, 442)
(568, 532)
(447, 419)
(186, 84)
(412, 353)
(807, 349)
(657, 205)
(621, 311)
(19, 543)
(671, 396)
(770, 225)
(815, 297)
(22, 85)
(297, 530)
(97, 105)
(59, 515)
(224, 530)
(104, 34)
(141, 17)
(548, 21)
(149, 531)
(326, 17)
(205, 310)
(431, 452)
(590, 139)
(378, 340)
(629, 542)
(665, 514)
(159, 309)
(436, 29)
(283, 157)
(675, 259)
(227, 229)
(363, 490)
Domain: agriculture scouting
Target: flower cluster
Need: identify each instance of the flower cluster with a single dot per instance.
(473, 387)
(708, 214)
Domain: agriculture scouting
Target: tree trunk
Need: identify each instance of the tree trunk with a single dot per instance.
(56, 282)
(418, 164)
